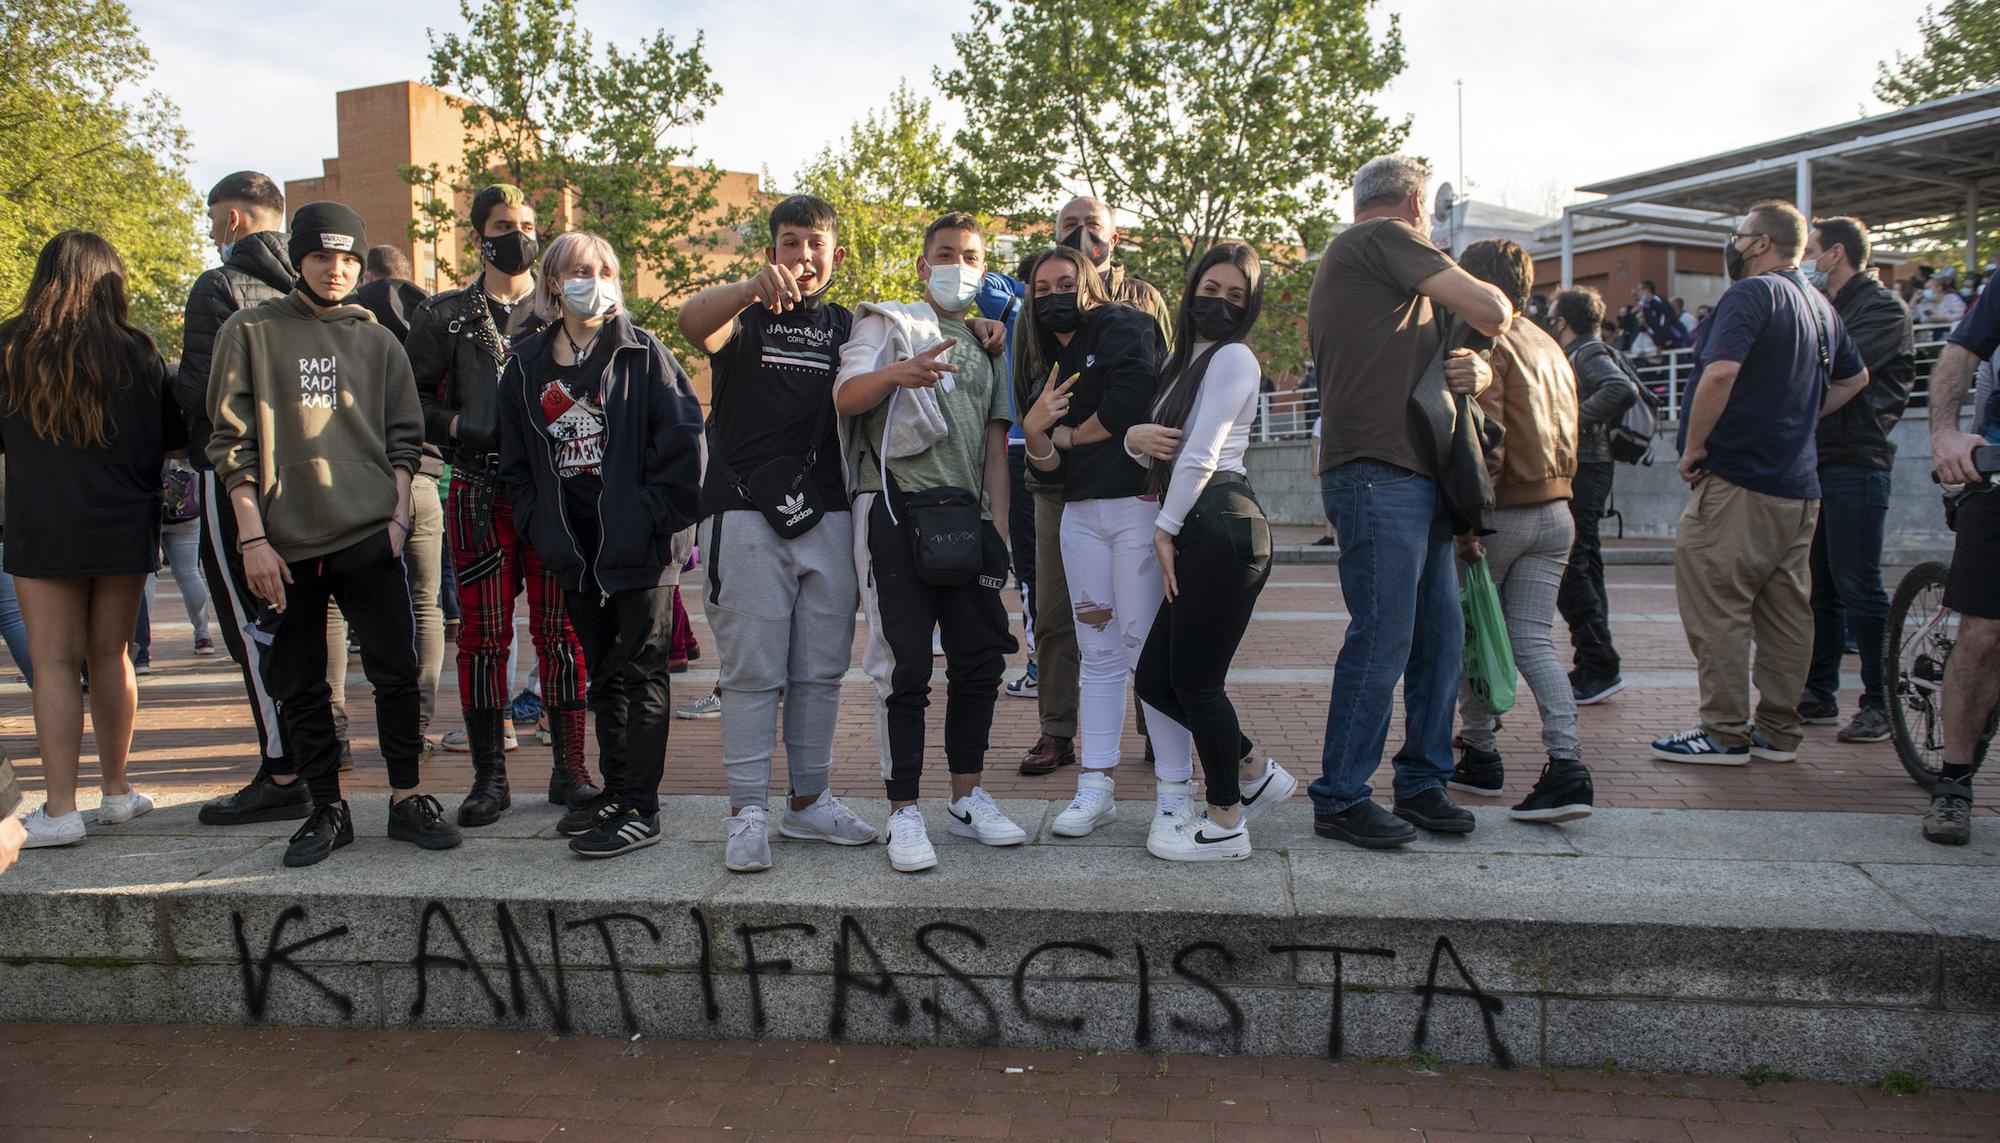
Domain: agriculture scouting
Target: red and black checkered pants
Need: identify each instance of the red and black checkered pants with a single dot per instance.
(493, 564)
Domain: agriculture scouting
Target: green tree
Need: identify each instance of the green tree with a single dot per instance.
(1202, 119)
(1960, 52)
(590, 136)
(76, 152)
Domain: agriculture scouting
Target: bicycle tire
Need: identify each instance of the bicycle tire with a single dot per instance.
(1913, 671)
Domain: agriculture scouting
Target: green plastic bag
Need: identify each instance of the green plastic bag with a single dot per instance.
(1489, 657)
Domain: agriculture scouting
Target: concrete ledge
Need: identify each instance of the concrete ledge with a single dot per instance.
(1834, 946)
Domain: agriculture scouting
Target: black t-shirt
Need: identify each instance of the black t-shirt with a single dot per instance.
(1117, 354)
(573, 417)
(772, 383)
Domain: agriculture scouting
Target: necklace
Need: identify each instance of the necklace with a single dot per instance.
(579, 352)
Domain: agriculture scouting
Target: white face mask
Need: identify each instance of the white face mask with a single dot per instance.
(954, 286)
(588, 298)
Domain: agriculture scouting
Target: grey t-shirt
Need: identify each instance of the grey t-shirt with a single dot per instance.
(977, 398)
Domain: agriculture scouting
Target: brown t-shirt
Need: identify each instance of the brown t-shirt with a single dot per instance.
(1372, 336)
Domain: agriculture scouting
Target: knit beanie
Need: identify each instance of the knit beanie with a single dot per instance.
(327, 226)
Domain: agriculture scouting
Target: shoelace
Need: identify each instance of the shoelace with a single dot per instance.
(1088, 799)
(901, 825)
(1951, 811)
(428, 806)
(1688, 735)
(740, 824)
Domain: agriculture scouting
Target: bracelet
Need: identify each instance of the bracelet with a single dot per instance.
(1031, 452)
(243, 544)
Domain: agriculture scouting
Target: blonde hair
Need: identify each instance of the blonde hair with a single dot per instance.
(565, 252)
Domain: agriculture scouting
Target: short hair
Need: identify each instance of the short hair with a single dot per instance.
(1650, 288)
(805, 211)
(1847, 233)
(956, 220)
(1503, 263)
(490, 198)
(1580, 308)
(252, 188)
(1781, 222)
(1389, 179)
(557, 258)
(386, 261)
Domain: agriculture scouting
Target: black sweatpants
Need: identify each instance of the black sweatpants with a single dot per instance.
(1222, 559)
(902, 611)
(235, 609)
(625, 640)
(1581, 598)
(1021, 529)
(372, 588)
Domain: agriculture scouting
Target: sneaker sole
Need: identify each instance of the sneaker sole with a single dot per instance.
(1768, 755)
(1434, 825)
(1482, 791)
(696, 717)
(1702, 759)
(1834, 721)
(105, 819)
(52, 843)
(1211, 853)
(914, 866)
(957, 830)
(1553, 814)
(431, 844)
(1105, 818)
(745, 868)
(1600, 696)
(621, 850)
(1846, 737)
(1023, 694)
(800, 833)
(1950, 839)
(301, 863)
(1334, 833)
(286, 813)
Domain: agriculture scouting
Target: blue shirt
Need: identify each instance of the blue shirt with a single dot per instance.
(1770, 325)
(999, 299)
(1979, 331)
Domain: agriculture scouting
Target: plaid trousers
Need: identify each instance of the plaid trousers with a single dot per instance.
(493, 563)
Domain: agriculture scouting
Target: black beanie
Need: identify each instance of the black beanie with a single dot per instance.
(327, 226)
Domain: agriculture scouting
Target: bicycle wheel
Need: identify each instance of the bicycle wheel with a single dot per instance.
(1916, 641)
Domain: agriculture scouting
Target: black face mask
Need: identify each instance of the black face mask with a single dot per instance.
(1732, 261)
(319, 301)
(1057, 313)
(1091, 244)
(1215, 317)
(510, 253)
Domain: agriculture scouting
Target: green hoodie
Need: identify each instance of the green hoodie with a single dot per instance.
(316, 409)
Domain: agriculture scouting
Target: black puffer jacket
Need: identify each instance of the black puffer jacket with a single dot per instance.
(258, 270)
(455, 352)
(1604, 390)
(1878, 322)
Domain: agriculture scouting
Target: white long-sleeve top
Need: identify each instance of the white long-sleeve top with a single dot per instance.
(1217, 432)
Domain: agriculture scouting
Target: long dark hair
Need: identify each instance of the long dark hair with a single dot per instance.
(72, 349)
(1036, 349)
(1181, 379)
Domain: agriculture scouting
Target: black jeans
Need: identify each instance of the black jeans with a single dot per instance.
(373, 591)
(1847, 578)
(1222, 559)
(1581, 598)
(902, 612)
(626, 640)
(1021, 528)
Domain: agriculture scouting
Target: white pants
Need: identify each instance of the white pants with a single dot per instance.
(1115, 591)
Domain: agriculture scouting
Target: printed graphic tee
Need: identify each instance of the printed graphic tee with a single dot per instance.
(573, 417)
(772, 384)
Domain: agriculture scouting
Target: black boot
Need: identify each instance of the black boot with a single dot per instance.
(488, 798)
(569, 779)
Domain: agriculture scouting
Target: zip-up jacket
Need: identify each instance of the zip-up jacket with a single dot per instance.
(455, 352)
(258, 270)
(651, 470)
(1878, 322)
(1603, 392)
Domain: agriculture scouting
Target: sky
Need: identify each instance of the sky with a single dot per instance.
(1557, 93)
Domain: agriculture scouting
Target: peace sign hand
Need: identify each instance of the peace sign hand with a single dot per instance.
(928, 368)
(1053, 405)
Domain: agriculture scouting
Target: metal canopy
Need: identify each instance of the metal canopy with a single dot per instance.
(1903, 173)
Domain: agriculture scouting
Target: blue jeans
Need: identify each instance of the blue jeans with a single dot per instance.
(1400, 582)
(12, 630)
(1847, 578)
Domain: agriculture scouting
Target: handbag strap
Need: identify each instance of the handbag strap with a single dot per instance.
(728, 471)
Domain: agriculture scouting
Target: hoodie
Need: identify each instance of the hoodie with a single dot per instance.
(316, 409)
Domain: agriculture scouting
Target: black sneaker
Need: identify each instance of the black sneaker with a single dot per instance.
(1816, 711)
(1593, 689)
(329, 828)
(1433, 810)
(1365, 824)
(621, 831)
(581, 819)
(419, 820)
(1870, 725)
(261, 801)
(1479, 772)
(1949, 821)
(1698, 745)
(1562, 794)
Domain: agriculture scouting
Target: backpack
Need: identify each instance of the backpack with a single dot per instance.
(180, 494)
(1630, 437)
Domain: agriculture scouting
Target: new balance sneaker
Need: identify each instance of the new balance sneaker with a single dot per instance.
(707, 706)
(455, 741)
(827, 819)
(977, 816)
(910, 849)
(616, 833)
(1092, 807)
(1195, 838)
(1434, 810)
(419, 820)
(1479, 772)
(45, 831)
(1760, 747)
(1268, 791)
(1593, 689)
(1562, 794)
(746, 847)
(329, 827)
(1949, 820)
(1698, 746)
(1817, 711)
(1366, 825)
(121, 808)
(1173, 802)
(581, 819)
(1870, 725)
(262, 800)
(526, 707)
(1029, 684)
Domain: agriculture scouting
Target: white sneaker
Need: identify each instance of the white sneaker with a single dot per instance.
(1174, 803)
(1263, 795)
(910, 847)
(826, 820)
(44, 830)
(1195, 838)
(747, 848)
(121, 808)
(977, 816)
(707, 706)
(1092, 806)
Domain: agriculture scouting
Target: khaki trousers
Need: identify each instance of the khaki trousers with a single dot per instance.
(1742, 573)
(1055, 626)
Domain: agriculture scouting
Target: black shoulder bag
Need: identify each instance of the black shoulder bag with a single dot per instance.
(782, 488)
(946, 542)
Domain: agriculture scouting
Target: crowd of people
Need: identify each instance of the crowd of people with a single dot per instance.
(1056, 421)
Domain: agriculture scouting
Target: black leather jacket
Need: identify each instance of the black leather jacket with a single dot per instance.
(1878, 322)
(455, 352)
(258, 270)
(1603, 392)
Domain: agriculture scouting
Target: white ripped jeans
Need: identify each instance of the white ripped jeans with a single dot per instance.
(1115, 591)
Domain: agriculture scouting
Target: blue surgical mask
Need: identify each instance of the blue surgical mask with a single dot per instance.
(952, 287)
(588, 298)
(225, 250)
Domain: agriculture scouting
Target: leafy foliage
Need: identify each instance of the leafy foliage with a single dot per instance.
(75, 153)
(1961, 52)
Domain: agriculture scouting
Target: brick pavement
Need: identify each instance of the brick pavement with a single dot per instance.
(194, 732)
(179, 1084)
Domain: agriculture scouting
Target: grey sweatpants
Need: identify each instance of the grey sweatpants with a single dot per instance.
(782, 612)
(1527, 556)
